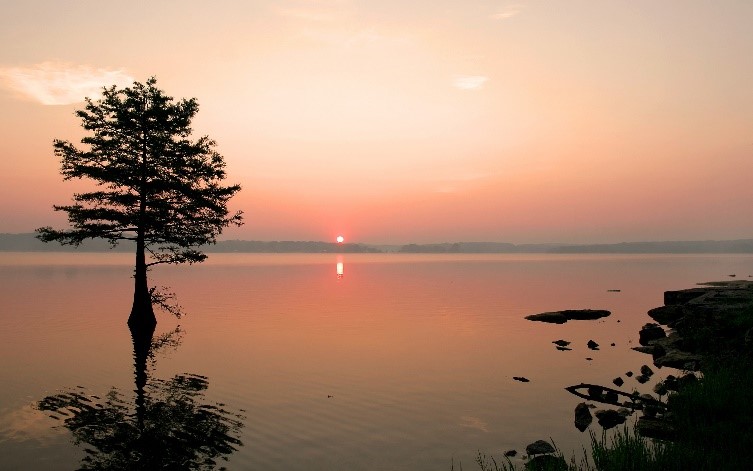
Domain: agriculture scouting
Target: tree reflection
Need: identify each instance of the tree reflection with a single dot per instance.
(168, 425)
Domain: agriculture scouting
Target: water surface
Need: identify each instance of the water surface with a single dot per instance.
(355, 361)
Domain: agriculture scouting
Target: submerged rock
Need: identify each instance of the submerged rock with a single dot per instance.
(539, 447)
(561, 343)
(583, 417)
(560, 317)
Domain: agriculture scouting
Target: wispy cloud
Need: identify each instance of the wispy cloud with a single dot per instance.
(57, 83)
(507, 12)
(469, 82)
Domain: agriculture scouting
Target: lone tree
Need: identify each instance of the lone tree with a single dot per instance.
(156, 187)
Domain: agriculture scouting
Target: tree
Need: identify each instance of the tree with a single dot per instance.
(155, 186)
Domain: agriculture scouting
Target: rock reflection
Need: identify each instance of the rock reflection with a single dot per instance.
(168, 425)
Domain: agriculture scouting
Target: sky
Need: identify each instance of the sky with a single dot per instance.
(424, 121)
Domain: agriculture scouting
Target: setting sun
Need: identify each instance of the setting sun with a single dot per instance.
(340, 239)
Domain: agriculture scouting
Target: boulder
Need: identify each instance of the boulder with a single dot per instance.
(646, 370)
(511, 453)
(592, 345)
(583, 417)
(539, 447)
(618, 381)
(650, 332)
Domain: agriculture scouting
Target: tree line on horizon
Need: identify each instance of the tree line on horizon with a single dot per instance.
(27, 242)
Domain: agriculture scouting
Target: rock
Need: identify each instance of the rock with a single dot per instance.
(560, 317)
(589, 358)
(618, 381)
(547, 463)
(511, 453)
(650, 332)
(592, 345)
(550, 317)
(646, 370)
(660, 388)
(683, 296)
(522, 379)
(539, 447)
(561, 343)
(609, 418)
(613, 344)
(613, 291)
(667, 315)
(625, 412)
(670, 382)
(586, 314)
(646, 349)
(629, 374)
(583, 417)
(642, 379)
(595, 392)
(611, 397)
(563, 349)
(679, 359)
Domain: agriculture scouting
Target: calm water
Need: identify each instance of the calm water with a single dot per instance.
(371, 362)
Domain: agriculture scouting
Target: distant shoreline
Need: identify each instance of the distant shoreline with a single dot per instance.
(26, 242)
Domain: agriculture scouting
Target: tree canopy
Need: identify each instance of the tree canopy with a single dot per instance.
(156, 186)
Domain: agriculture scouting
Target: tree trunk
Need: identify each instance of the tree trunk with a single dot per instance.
(142, 313)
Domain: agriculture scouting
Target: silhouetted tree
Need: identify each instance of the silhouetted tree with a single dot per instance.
(158, 188)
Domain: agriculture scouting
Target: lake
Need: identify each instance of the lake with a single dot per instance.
(354, 361)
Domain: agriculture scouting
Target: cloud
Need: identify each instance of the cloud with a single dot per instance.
(507, 12)
(469, 82)
(57, 83)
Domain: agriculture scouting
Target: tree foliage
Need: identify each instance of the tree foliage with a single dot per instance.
(156, 186)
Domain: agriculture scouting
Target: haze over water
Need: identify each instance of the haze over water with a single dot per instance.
(403, 362)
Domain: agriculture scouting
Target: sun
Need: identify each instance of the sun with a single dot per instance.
(340, 239)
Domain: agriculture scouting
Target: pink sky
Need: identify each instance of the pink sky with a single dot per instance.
(394, 122)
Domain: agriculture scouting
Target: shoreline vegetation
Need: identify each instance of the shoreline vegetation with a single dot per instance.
(705, 415)
(27, 242)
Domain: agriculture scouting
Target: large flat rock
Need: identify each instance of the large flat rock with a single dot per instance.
(560, 317)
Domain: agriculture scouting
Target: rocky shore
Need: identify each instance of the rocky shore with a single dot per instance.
(695, 328)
